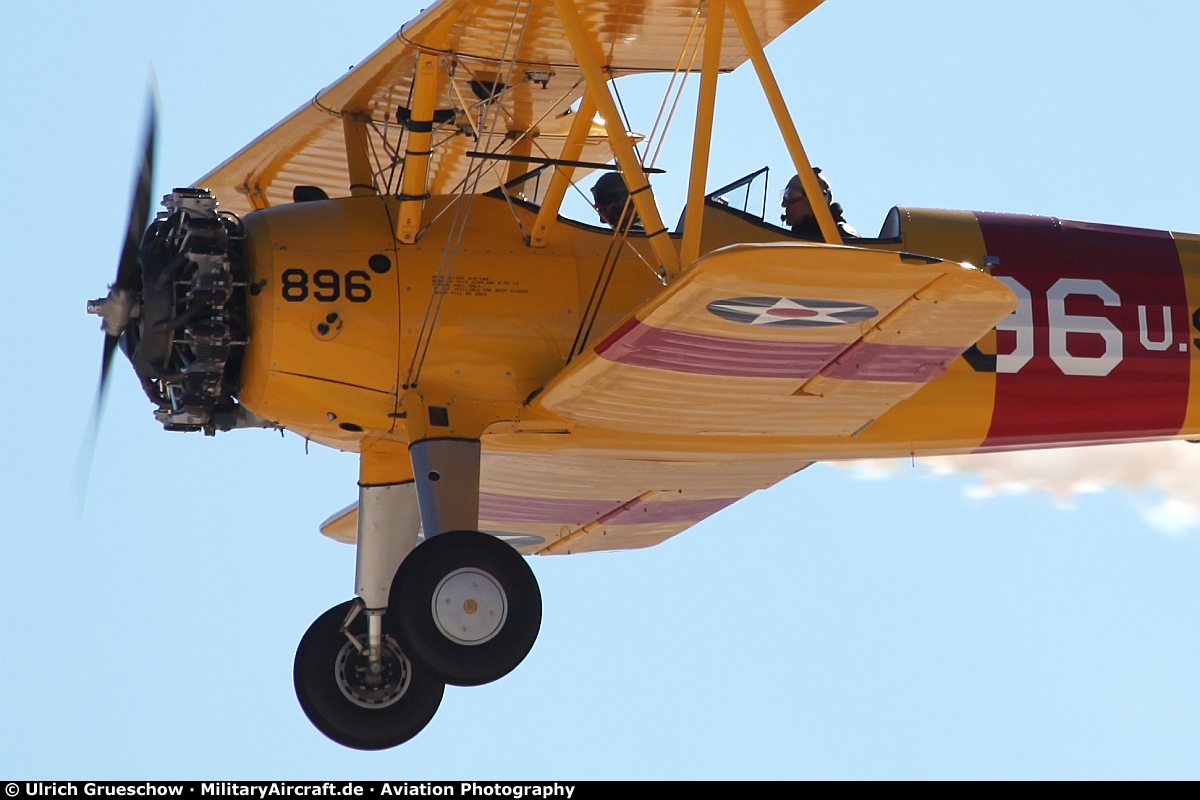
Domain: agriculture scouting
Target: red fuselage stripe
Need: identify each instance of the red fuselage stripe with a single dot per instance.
(1101, 346)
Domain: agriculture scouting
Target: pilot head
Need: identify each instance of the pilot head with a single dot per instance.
(796, 205)
(610, 195)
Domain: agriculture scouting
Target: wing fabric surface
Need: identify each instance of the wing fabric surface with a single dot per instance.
(587, 501)
(780, 340)
(581, 501)
(477, 40)
(777, 342)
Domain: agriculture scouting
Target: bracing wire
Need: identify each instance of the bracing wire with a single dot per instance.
(625, 118)
(493, 164)
(599, 289)
(458, 223)
(678, 96)
(674, 76)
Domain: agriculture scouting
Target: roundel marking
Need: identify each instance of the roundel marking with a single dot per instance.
(791, 312)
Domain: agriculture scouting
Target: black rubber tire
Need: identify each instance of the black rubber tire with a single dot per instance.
(410, 607)
(314, 675)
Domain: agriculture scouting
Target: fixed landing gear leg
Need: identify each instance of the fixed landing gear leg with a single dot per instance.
(389, 521)
(464, 603)
(446, 472)
(354, 681)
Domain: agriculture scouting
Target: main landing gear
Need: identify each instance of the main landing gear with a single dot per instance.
(360, 702)
(461, 608)
(468, 605)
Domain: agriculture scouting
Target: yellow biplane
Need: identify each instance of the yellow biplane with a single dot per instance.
(386, 272)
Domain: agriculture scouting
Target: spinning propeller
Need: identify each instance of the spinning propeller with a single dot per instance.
(121, 304)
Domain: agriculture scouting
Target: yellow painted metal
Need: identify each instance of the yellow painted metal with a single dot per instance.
(383, 461)
(358, 159)
(510, 314)
(1188, 246)
(317, 346)
(714, 29)
(255, 196)
(414, 186)
(507, 322)
(783, 119)
(632, 283)
(581, 127)
(466, 417)
(320, 410)
(506, 325)
(589, 58)
(507, 317)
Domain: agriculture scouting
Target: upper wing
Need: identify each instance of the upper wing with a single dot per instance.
(516, 43)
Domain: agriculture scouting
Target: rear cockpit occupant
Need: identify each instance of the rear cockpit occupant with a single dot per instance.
(798, 211)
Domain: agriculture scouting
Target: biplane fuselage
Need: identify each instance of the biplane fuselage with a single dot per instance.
(1100, 348)
(510, 377)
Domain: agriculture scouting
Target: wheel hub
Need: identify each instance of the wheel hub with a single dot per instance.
(373, 684)
(469, 606)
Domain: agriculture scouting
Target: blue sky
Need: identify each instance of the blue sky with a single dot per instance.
(834, 626)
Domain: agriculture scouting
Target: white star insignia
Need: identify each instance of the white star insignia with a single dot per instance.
(786, 309)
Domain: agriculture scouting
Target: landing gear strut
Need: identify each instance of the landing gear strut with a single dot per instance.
(462, 607)
(357, 702)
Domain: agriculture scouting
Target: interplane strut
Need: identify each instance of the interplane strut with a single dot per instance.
(587, 53)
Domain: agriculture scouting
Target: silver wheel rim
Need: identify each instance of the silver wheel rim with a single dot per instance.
(351, 671)
(469, 606)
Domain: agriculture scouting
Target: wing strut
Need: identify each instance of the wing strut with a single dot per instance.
(808, 179)
(714, 29)
(581, 126)
(587, 53)
(413, 191)
(522, 148)
(358, 160)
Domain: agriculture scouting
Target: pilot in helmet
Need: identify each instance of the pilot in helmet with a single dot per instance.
(798, 211)
(610, 196)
